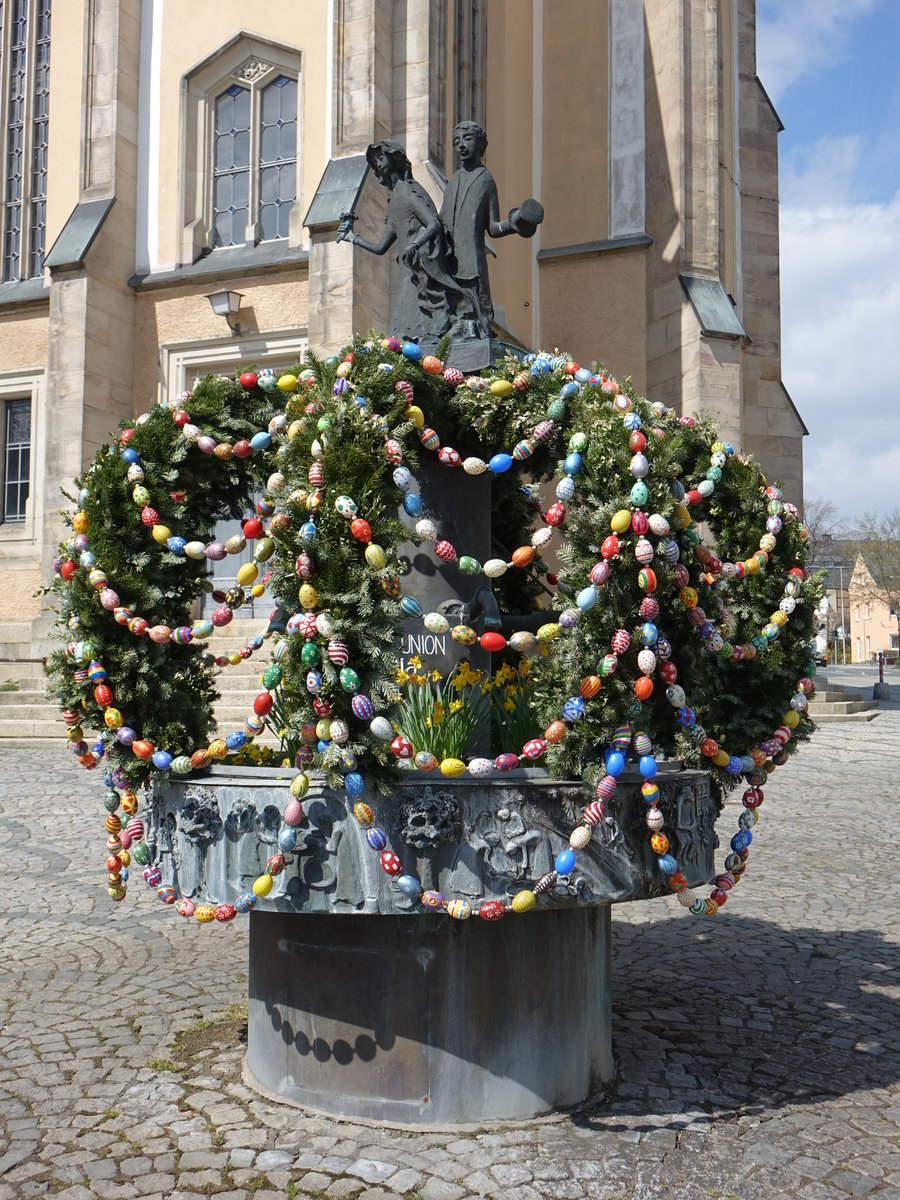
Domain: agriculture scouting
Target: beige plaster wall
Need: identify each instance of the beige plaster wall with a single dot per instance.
(17, 599)
(509, 105)
(575, 178)
(23, 338)
(593, 307)
(65, 134)
(183, 314)
(190, 34)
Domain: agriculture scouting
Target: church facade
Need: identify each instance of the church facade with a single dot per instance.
(176, 174)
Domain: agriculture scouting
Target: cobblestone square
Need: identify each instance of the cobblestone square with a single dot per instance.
(758, 1053)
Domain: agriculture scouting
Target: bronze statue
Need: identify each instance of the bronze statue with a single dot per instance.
(443, 285)
(427, 295)
(471, 209)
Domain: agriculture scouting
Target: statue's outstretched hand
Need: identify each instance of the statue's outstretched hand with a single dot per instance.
(345, 229)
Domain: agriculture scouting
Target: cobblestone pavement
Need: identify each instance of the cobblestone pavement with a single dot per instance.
(759, 1053)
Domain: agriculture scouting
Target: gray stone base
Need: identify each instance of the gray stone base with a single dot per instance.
(431, 1022)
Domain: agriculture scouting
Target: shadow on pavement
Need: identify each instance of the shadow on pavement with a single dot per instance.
(746, 1016)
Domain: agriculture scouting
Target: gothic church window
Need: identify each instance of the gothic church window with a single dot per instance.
(254, 160)
(24, 114)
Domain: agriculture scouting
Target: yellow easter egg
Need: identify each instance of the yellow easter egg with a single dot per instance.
(293, 429)
(620, 521)
(681, 518)
(523, 902)
(161, 534)
(217, 749)
(452, 766)
(548, 632)
(287, 383)
(308, 596)
(501, 387)
(262, 885)
(375, 556)
(721, 758)
(80, 522)
(247, 573)
(415, 414)
(257, 590)
(791, 719)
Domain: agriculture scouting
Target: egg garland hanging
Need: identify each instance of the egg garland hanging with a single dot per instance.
(310, 436)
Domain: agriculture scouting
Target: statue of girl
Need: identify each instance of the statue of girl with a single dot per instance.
(427, 296)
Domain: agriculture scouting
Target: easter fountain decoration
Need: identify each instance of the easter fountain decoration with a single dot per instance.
(436, 841)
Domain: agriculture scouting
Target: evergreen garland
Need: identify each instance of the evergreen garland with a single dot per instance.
(339, 416)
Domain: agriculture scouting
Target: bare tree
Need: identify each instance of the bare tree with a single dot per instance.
(878, 541)
(824, 526)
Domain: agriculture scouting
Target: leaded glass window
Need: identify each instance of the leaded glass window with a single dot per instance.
(25, 44)
(254, 160)
(16, 459)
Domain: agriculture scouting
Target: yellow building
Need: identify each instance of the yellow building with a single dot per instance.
(874, 622)
(158, 152)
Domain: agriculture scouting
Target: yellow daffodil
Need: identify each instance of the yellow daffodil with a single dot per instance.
(437, 713)
(509, 704)
(401, 677)
(436, 676)
(524, 667)
(456, 706)
(416, 662)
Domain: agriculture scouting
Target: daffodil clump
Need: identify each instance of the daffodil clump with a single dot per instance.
(442, 716)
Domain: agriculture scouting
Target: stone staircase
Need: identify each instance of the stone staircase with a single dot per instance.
(832, 702)
(30, 719)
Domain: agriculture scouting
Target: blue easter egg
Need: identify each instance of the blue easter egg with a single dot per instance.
(573, 709)
(668, 864)
(375, 838)
(410, 607)
(411, 351)
(568, 389)
(412, 505)
(582, 375)
(586, 598)
(354, 784)
(308, 531)
(287, 840)
(402, 478)
(176, 545)
(128, 455)
(162, 760)
(245, 902)
(632, 422)
(565, 489)
(260, 441)
(564, 862)
(500, 463)
(236, 740)
(572, 464)
(647, 766)
(639, 493)
(409, 886)
(649, 634)
(615, 763)
(741, 840)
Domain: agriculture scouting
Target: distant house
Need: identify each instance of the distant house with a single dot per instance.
(874, 623)
(835, 557)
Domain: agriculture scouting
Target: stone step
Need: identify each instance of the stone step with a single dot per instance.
(23, 669)
(841, 706)
(29, 743)
(15, 632)
(40, 710)
(828, 717)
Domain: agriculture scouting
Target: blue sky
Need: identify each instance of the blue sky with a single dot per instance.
(832, 69)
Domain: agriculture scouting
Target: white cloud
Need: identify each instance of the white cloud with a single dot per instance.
(794, 37)
(826, 167)
(840, 282)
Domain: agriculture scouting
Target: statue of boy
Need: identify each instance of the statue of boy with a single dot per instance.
(470, 210)
(427, 294)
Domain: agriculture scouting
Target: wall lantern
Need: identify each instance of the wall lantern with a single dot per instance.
(227, 304)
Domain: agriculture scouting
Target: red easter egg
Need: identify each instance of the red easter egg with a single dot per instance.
(492, 642)
(68, 569)
(263, 704)
(361, 529)
(252, 528)
(248, 380)
(142, 749)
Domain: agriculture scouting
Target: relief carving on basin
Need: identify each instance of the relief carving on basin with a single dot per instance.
(472, 839)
